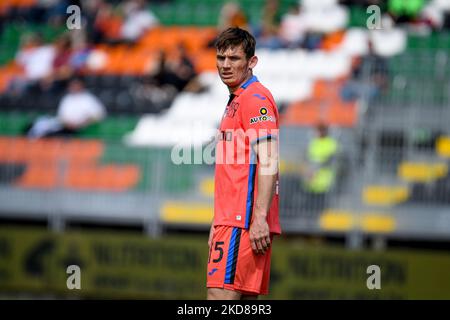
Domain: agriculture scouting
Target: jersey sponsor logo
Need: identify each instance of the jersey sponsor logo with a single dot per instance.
(263, 117)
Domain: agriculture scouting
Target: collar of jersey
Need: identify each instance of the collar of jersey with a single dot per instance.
(245, 85)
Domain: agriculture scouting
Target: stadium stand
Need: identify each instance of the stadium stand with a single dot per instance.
(392, 163)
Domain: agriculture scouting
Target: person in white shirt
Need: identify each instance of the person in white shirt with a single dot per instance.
(293, 27)
(36, 60)
(77, 109)
(138, 20)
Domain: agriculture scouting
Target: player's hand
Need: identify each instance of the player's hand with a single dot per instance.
(259, 235)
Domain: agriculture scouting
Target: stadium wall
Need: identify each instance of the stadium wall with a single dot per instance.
(123, 265)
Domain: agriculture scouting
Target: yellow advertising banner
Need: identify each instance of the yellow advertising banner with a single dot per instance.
(123, 265)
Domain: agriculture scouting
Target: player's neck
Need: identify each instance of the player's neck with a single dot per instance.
(248, 77)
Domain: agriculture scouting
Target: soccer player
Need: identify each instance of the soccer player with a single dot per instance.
(246, 177)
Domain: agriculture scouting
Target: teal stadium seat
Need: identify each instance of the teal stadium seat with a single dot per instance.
(206, 12)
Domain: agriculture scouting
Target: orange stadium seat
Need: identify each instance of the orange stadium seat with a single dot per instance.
(19, 149)
(205, 61)
(151, 38)
(327, 89)
(192, 39)
(42, 176)
(81, 151)
(325, 105)
(333, 40)
(117, 56)
(23, 150)
(21, 3)
(8, 72)
(136, 60)
(344, 115)
(105, 178)
(301, 113)
(312, 112)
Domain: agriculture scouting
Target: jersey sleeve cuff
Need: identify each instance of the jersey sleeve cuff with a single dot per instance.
(264, 138)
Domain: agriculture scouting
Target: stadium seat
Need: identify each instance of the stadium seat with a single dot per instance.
(113, 178)
(13, 123)
(186, 213)
(39, 176)
(337, 220)
(385, 195)
(377, 223)
(389, 42)
(443, 146)
(354, 42)
(207, 187)
(421, 171)
(310, 113)
(342, 220)
(17, 149)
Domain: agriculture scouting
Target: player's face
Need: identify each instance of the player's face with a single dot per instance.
(234, 67)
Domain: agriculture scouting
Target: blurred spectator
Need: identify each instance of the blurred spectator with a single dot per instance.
(104, 22)
(322, 17)
(177, 72)
(51, 12)
(80, 54)
(299, 29)
(138, 19)
(369, 78)
(61, 68)
(307, 191)
(293, 28)
(77, 110)
(267, 35)
(3, 18)
(231, 15)
(36, 60)
(271, 17)
(436, 14)
(167, 79)
(57, 13)
(319, 171)
(313, 40)
(92, 9)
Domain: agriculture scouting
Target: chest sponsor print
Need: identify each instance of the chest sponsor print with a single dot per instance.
(262, 117)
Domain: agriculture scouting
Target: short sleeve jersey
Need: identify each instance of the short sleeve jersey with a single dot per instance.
(250, 116)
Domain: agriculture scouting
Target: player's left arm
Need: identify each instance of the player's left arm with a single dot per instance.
(267, 152)
(259, 119)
